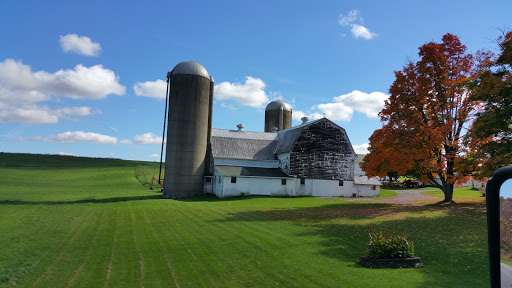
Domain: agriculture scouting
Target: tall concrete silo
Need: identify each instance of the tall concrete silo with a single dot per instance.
(278, 114)
(189, 127)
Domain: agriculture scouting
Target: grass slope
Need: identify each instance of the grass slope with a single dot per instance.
(97, 226)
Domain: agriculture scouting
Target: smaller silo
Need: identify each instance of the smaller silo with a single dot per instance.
(278, 114)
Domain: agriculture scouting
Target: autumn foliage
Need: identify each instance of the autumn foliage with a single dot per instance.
(490, 137)
(424, 119)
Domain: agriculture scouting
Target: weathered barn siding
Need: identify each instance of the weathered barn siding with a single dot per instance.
(322, 151)
(284, 162)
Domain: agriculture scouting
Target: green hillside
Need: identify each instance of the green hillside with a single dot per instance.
(84, 222)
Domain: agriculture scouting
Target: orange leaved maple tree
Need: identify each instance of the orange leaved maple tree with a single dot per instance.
(425, 117)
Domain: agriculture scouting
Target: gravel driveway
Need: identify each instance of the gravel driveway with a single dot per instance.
(404, 197)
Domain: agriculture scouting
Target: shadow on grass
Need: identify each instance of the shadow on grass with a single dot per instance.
(81, 201)
(450, 243)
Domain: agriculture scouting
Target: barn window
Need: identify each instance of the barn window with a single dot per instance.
(308, 135)
(338, 138)
(233, 179)
(208, 180)
(322, 125)
(374, 187)
(283, 181)
(340, 183)
(302, 181)
(329, 125)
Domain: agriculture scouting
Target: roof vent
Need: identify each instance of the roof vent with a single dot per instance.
(273, 130)
(240, 127)
(304, 120)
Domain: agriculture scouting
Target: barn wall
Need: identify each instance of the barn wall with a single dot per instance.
(323, 151)
(331, 188)
(256, 186)
(366, 190)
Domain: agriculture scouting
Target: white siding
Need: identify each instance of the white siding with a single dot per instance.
(367, 190)
(256, 186)
(331, 188)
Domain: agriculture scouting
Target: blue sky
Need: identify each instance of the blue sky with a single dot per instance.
(85, 77)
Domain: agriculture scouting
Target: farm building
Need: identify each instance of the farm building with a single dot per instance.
(315, 158)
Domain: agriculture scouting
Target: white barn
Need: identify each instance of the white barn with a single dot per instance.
(312, 159)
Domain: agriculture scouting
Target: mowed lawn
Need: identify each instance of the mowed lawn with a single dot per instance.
(73, 225)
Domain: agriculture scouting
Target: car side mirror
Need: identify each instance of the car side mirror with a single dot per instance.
(499, 202)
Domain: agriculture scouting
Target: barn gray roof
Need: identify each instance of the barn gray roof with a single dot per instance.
(233, 144)
(252, 172)
(363, 180)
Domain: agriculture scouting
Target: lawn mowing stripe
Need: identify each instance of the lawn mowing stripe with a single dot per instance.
(112, 250)
(91, 247)
(156, 273)
(163, 248)
(94, 270)
(177, 231)
(125, 265)
(141, 259)
(237, 234)
(74, 256)
(270, 236)
(221, 260)
(250, 243)
(66, 243)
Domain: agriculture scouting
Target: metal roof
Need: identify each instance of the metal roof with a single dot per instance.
(277, 105)
(236, 148)
(363, 180)
(243, 134)
(236, 171)
(191, 68)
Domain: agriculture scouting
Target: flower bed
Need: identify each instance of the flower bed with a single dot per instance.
(390, 251)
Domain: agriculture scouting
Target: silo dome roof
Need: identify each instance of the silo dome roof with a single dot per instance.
(277, 105)
(190, 68)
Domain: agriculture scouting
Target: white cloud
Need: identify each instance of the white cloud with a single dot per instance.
(154, 155)
(21, 90)
(39, 116)
(351, 16)
(75, 136)
(361, 149)
(80, 45)
(65, 154)
(251, 93)
(148, 138)
(82, 82)
(370, 104)
(153, 89)
(126, 141)
(357, 30)
(344, 106)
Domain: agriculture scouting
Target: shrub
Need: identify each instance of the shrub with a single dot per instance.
(385, 246)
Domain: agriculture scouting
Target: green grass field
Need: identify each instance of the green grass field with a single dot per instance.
(70, 224)
(459, 192)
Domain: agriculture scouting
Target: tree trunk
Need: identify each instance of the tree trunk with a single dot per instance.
(448, 192)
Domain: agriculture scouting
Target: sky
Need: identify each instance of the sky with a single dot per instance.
(87, 78)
